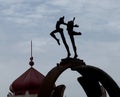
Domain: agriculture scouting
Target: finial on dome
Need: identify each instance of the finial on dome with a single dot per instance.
(31, 63)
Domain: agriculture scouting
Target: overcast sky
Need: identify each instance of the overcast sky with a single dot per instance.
(24, 20)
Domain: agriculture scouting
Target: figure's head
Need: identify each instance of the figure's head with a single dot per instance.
(61, 19)
(70, 22)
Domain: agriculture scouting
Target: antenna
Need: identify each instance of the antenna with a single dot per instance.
(31, 63)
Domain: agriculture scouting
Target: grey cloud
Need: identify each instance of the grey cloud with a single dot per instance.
(26, 20)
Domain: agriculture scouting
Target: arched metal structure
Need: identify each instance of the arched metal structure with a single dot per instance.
(90, 80)
(97, 75)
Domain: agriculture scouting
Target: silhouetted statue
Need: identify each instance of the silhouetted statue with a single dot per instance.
(71, 32)
(70, 25)
(60, 30)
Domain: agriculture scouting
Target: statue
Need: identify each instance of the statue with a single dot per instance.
(71, 33)
(60, 30)
(94, 81)
(70, 25)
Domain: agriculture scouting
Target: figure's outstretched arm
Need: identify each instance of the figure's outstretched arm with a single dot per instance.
(64, 23)
(76, 25)
(53, 35)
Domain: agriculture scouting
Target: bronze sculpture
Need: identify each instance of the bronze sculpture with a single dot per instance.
(93, 80)
(70, 25)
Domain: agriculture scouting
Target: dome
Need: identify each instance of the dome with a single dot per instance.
(30, 81)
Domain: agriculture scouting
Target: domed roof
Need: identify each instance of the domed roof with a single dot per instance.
(30, 81)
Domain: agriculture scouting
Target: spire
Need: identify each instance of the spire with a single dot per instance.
(31, 63)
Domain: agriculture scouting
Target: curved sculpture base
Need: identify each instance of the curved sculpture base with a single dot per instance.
(90, 80)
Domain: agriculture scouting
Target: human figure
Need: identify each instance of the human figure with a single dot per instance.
(60, 30)
(71, 33)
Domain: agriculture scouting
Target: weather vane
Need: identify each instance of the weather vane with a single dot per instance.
(70, 26)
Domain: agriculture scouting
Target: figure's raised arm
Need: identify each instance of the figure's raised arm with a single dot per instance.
(76, 25)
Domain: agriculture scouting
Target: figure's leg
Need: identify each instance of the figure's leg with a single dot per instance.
(74, 47)
(65, 44)
(53, 35)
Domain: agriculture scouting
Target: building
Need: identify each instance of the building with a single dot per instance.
(28, 84)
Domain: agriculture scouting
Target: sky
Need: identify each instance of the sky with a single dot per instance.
(24, 20)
